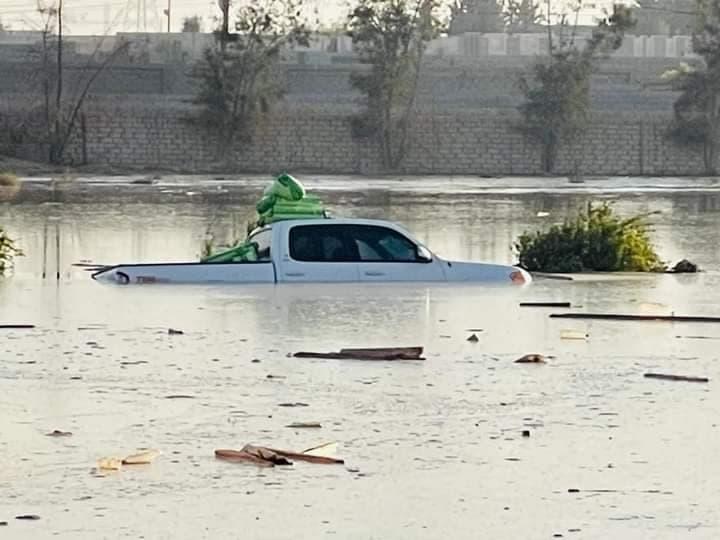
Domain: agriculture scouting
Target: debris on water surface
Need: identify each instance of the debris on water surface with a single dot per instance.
(179, 396)
(255, 361)
(296, 404)
(303, 425)
(531, 359)
(109, 464)
(473, 338)
(526, 433)
(322, 450)
(141, 458)
(684, 267)
(546, 304)
(58, 433)
(3, 523)
(573, 334)
(382, 353)
(667, 377)
(28, 517)
(174, 332)
(269, 457)
(16, 326)
(626, 317)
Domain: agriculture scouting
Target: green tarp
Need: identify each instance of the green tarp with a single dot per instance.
(284, 199)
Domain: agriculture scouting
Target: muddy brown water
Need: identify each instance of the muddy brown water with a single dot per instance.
(433, 449)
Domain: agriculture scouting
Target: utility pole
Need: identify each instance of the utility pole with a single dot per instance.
(58, 94)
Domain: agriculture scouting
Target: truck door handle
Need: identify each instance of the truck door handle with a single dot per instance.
(374, 273)
(294, 274)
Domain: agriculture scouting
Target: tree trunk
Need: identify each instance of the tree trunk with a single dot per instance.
(711, 140)
(549, 154)
(225, 31)
(55, 152)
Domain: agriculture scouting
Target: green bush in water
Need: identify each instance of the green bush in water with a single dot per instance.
(595, 240)
(8, 251)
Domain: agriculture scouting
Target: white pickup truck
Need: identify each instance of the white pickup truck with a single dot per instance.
(323, 250)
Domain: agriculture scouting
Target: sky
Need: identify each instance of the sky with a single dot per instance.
(87, 17)
(95, 16)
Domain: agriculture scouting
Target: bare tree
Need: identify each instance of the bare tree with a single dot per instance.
(62, 102)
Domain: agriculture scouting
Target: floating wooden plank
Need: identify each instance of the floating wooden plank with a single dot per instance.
(141, 458)
(240, 456)
(624, 317)
(269, 457)
(392, 353)
(304, 425)
(545, 275)
(16, 326)
(310, 458)
(546, 304)
(666, 377)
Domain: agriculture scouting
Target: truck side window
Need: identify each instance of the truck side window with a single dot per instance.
(320, 243)
(379, 244)
(262, 239)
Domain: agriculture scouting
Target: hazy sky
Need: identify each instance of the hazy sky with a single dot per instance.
(94, 16)
(98, 16)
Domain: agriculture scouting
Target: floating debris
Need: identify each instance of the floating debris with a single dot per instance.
(179, 396)
(473, 338)
(173, 332)
(685, 378)
(684, 267)
(526, 433)
(141, 458)
(16, 326)
(574, 334)
(623, 317)
(531, 359)
(302, 425)
(28, 517)
(58, 433)
(386, 353)
(296, 404)
(109, 464)
(546, 304)
(269, 457)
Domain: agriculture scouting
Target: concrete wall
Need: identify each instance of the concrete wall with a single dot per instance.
(142, 134)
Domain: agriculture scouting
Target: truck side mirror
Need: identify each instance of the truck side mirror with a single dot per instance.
(423, 255)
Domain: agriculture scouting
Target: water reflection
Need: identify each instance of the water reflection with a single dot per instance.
(426, 444)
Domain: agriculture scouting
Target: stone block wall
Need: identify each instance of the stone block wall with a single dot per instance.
(142, 133)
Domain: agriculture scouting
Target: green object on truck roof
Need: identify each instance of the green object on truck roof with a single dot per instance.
(285, 198)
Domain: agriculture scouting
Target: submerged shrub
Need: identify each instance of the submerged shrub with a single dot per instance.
(8, 251)
(595, 240)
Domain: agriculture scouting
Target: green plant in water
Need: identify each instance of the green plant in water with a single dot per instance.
(595, 240)
(8, 251)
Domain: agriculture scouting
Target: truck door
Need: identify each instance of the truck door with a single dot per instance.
(385, 254)
(318, 253)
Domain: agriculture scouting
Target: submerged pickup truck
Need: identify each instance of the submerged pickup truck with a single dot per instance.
(320, 251)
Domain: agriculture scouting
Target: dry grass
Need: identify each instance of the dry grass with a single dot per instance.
(9, 186)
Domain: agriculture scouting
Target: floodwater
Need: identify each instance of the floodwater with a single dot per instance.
(433, 449)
